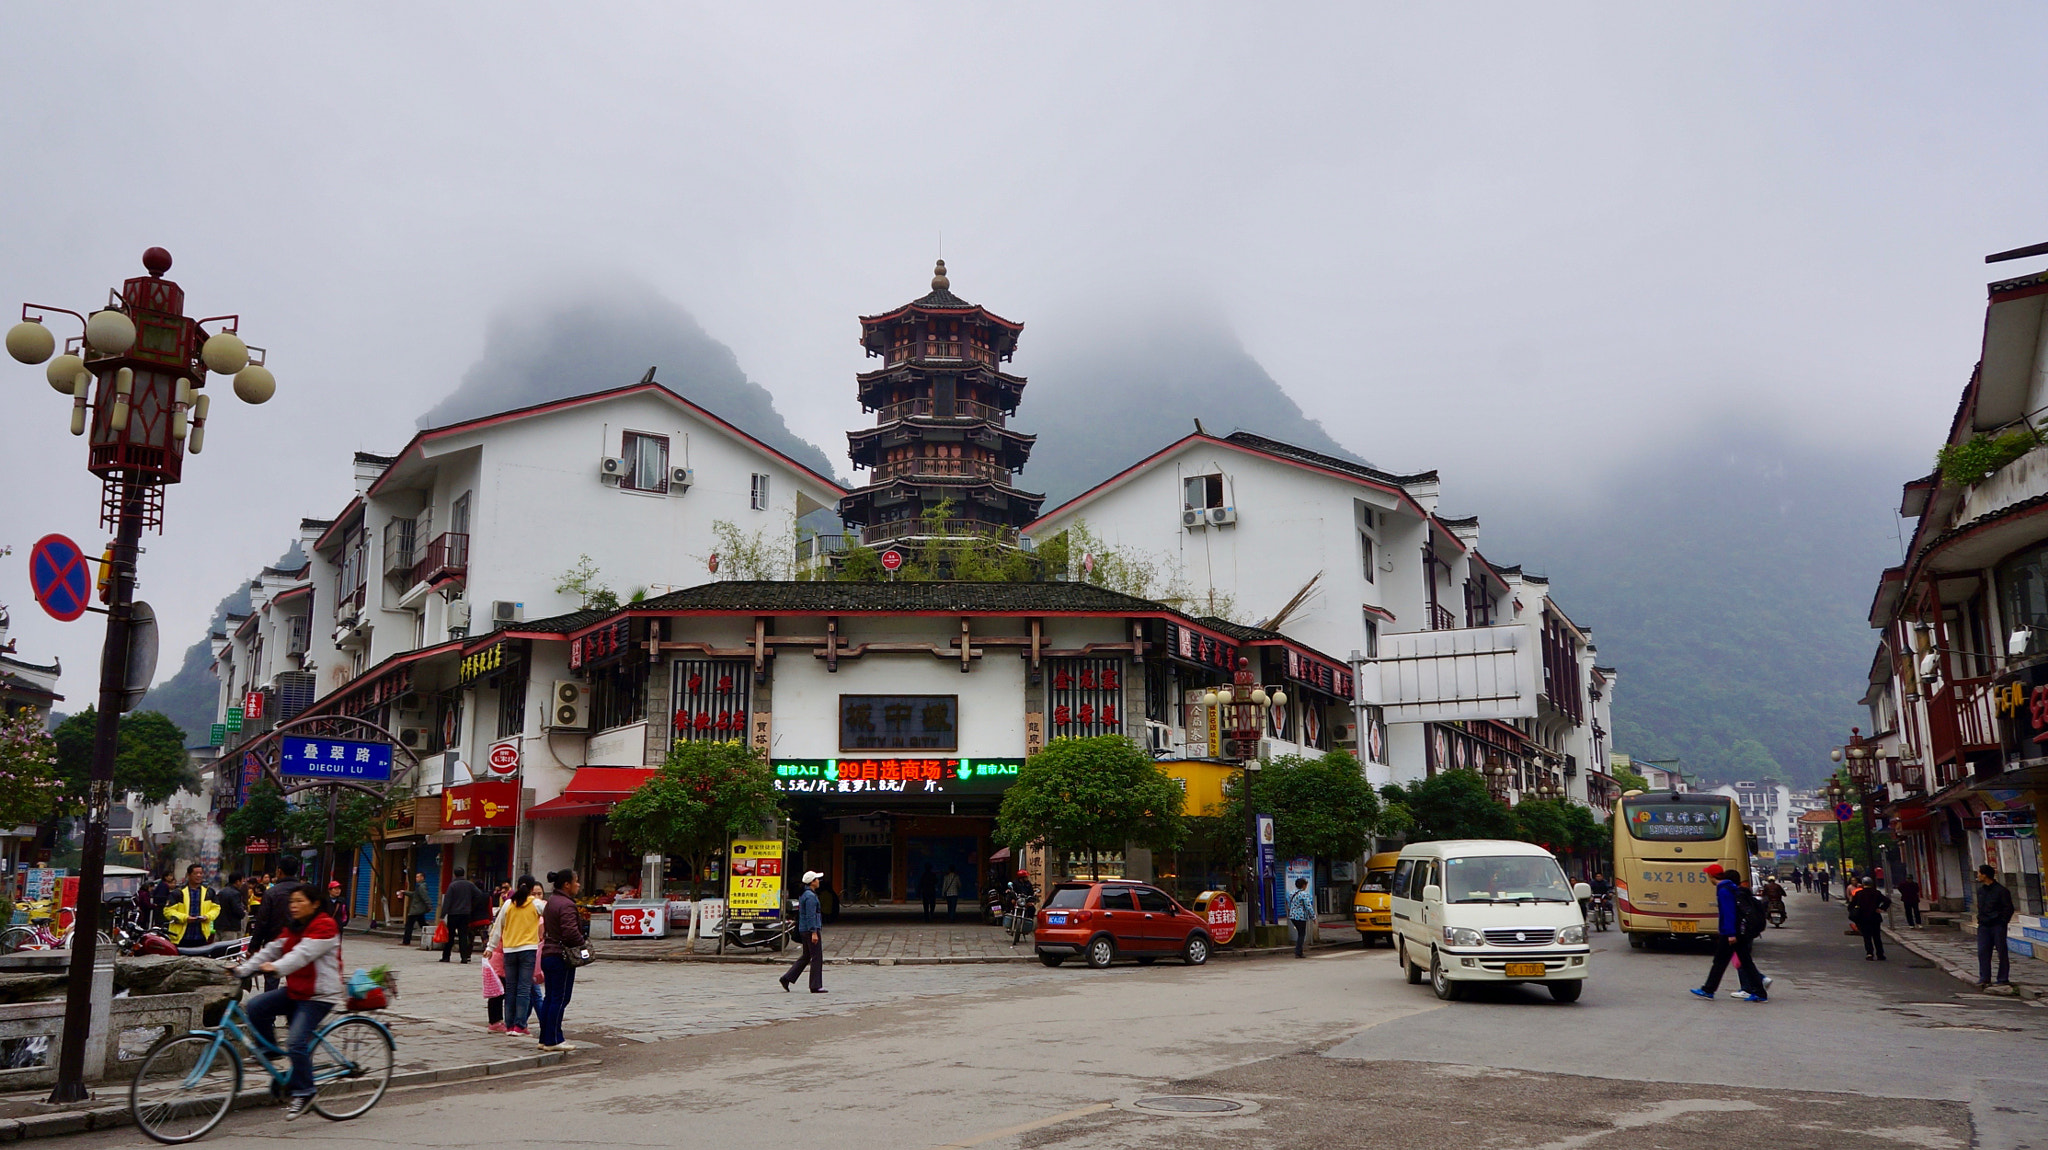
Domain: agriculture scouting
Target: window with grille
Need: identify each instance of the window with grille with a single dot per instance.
(512, 700)
(710, 698)
(1086, 697)
(618, 694)
(646, 462)
(760, 498)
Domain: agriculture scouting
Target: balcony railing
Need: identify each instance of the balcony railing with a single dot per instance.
(943, 468)
(962, 409)
(1441, 619)
(1961, 720)
(925, 528)
(446, 554)
(813, 549)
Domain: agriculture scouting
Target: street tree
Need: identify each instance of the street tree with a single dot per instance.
(1628, 780)
(150, 761)
(704, 794)
(29, 786)
(1543, 822)
(1322, 807)
(262, 815)
(1453, 804)
(1092, 796)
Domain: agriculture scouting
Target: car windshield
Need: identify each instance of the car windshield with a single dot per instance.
(1378, 882)
(1068, 898)
(1505, 878)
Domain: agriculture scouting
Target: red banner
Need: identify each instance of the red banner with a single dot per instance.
(478, 805)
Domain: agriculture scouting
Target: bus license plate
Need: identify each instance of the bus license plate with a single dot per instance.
(1684, 926)
(1056, 920)
(1525, 970)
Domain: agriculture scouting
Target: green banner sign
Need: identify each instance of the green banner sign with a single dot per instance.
(219, 735)
(234, 722)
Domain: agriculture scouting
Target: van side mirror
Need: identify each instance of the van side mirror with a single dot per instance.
(1432, 893)
(1581, 891)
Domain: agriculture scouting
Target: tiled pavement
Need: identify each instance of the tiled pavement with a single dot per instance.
(1955, 951)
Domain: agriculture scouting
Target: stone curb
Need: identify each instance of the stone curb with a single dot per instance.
(111, 1117)
(775, 959)
(2027, 994)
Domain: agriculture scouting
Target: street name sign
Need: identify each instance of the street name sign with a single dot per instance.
(334, 759)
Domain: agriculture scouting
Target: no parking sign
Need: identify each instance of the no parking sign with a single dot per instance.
(63, 583)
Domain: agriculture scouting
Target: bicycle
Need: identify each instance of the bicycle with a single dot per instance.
(188, 1082)
(38, 935)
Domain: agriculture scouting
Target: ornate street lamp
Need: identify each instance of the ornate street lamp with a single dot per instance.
(1241, 716)
(135, 375)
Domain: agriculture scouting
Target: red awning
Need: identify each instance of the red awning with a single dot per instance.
(592, 791)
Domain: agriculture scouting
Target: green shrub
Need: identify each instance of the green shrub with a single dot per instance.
(1964, 464)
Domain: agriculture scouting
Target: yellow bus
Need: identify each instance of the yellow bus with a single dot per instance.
(1663, 843)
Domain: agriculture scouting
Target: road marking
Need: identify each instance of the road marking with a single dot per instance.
(1022, 1128)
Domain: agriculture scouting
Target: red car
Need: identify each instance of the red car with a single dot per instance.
(1103, 921)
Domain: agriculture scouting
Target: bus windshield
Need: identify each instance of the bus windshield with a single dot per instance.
(1378, 881)
(1505, 878)
(1686, 820)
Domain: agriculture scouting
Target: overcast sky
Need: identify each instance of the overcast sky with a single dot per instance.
(1515, 243)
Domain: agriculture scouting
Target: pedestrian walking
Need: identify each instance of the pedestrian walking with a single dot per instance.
(494, 990)
(561, 932)
(951, 890)
(1909, 897)
(1866, 910)
(928, 892)
(1741, 920)
(234, 908)
(419, 905)
(462, 904)
(1301, 907)
(190, 912)
(1994, 914)
(1821, 883)
(810, 923)
(342, 911)
(515, 942)
(307, 953)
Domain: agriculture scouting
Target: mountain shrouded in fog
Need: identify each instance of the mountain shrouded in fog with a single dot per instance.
(603, 337)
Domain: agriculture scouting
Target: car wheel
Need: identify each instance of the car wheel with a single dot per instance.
(1052, 959)
(1197, 951)
(1566, 991)
(1440, 980)
(1101, 952)
(1414, 972)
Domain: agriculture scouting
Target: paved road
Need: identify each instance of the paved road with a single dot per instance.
(1333, 1051)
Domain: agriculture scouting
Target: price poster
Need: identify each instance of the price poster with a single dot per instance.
(753, 888)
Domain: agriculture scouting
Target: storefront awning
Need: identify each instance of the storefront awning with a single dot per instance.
(592, 791)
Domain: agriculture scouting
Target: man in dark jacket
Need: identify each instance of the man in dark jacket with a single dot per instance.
(1732, 941)
(1994, 914)
(462, 904)
(274, 911)
(810, 922)
(1909, 894)
(1866, 909)
(234, 909)
(419, 904)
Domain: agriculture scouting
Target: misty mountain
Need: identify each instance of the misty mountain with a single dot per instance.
(1106, 391)
(190, 698)
(602, 337)
(1727, 577)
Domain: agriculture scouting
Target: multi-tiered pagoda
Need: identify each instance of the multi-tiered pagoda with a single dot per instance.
(940, 402)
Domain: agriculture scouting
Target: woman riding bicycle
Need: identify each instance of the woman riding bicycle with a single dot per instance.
(308, 954)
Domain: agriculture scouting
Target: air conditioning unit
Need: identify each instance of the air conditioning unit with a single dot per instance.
(1345, 733)
(506, 611)
(1194, 518)
(680, 479)
(458, 615)
(1159, 737)
(1222, 516)
(614, 467)
(412, 737)
(569, 706)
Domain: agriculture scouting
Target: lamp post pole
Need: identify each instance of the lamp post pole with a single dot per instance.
(133, 376)
(1241, 717)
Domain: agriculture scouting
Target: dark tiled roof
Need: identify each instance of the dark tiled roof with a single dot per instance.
(941, 298)
(311, 524)
(1304, 455)
(1239, 631)
(894, 598)
(563, 624)
(2003, 286)
(379, 460)
(11, 661)
(1468, 521)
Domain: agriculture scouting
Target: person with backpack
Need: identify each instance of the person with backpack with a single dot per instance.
(1741, 919)
(1866, 910)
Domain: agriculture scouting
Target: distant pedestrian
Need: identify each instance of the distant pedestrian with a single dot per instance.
(153, 899)
(1820, 882)
(462, 904)
(1799, 880)
(1994, 914)
(234, 908)
(342, 911)
(928, 892)
(561, 932)
(1301, 907)
(951, 890)
(810, 924)
(1909, 896)
(516, 942)
(189, 913)
(419, 903)
(1731, 942)
(1866, 910)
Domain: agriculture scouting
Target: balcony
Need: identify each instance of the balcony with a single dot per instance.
(1961, 721)
(926, 528)
(1441, 618)
(943, 468)
(445, 556)
(962, 409)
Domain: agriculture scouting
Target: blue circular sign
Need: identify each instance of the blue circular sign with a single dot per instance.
(1844, 812)
(62, 580)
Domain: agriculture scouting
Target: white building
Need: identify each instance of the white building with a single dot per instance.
(1770, 809)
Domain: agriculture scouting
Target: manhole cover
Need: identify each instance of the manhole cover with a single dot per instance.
(1188, 1105)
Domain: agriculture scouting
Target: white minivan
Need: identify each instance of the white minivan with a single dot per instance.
(1486, 910)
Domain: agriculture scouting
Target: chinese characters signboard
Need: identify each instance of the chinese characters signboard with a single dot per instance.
(906, 777)
(488, 661)
(899, 722)
(710, 698)
(753, 887)
(1086, 697)
(478, 805)
(1324, 677)
(335, 759)
(608, 641)
(1195, 647)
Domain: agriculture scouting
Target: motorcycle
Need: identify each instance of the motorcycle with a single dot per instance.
(1774, 912)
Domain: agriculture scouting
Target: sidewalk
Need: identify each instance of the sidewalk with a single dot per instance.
(1956, 952)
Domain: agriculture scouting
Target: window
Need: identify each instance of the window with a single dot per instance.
(618, 694)
(1404, 870)
(1204, 492)
(1116, 898)
(760, 492)
(646, 462)
(512, 700)
(1365, 552)
(1153, 901)
(2024, 581)
(458, 515)
(1372, 636)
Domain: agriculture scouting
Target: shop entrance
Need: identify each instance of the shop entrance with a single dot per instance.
(959, 853)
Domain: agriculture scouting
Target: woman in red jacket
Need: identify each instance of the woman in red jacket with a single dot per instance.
(308, 954)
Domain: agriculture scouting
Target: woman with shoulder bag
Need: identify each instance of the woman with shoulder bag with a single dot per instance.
(564, 947)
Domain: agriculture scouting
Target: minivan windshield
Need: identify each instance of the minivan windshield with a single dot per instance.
(1505, 878)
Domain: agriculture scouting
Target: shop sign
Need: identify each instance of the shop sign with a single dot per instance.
(489, 661)
(334, 759)
(479, 805)
(762, 737)
(637, 922)
(709, 698)
(1034, 732)
(252, 706)
(1086, 697)
(234, 722)
(896, 776)
(899, 722)
(1195, 647)
(1324, 677)
(754, 882)
(2008, 824)
(1266, 875)
(217, 735)
(259, 847)
(1221, 911)
(607, 642)
(503, 757)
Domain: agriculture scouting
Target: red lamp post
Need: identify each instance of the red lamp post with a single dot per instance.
(134, 375)
(1241, 713)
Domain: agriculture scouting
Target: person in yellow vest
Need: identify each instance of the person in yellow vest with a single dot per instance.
(190, 913)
